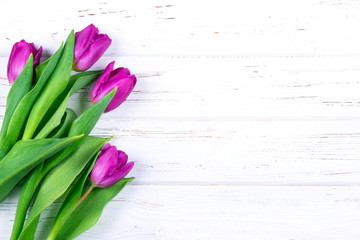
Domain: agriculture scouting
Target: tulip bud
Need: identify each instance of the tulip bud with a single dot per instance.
(110, 167)
(89, 47)
(109, 79)
(18, 58)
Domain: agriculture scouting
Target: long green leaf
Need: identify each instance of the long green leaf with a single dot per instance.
(53, 117)
(24, 156)
(84, 125)
(56, 85)
(70, 201)
(86, 121)
(89, 211)
(59, 180)
(24, 107)
(40, 69)
(83, 79)
(26, 193)
(64, 127)
(29, 186)
(19, 89)
(36, 177)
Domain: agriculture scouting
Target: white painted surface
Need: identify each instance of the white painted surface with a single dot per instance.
(244, 124)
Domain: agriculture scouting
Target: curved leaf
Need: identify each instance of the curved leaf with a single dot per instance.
(26, 194)
(24, 107)
(83, 79)
(64, 127)
(70, 201)
(89, 211)
(86, 121)
(59, 179)
(53, 117)
(24, 156)
(97, 109)
(29, 186)
(56, 85)
(84, 125)
(19, 89)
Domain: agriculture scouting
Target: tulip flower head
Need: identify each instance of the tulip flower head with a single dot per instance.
(18, 57)
(109, 79)
(89, 47)
(110, 167)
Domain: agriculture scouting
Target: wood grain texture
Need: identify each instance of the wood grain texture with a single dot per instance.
(170, 27)
(240, 152)
(232, 88)
(244, 123)
(219, 212)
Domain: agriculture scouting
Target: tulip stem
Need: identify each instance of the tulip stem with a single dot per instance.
(84, 196)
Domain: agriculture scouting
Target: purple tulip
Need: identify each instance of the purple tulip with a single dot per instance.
(89, 47)
(18, 57)
(110, 167)
(109, 79)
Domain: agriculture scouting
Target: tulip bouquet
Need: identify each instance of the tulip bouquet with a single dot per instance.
(46, 148)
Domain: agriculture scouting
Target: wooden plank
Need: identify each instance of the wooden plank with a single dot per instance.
(213, 87)
(239, 152)
(169, 27)
(182, 212)
(246, 152)
(264, 152)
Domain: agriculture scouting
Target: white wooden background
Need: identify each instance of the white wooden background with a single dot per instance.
(244, 124)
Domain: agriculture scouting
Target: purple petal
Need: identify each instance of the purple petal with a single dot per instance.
(119, 72)
(37, 56)
(101, 80)
(17, 60)
(107, 145)
(33, 48)
(104, 165)
(83, 40)
(117, 176)
(122, 159)
(119, 78)
(125, 86)
(104, 89)
(93, 53)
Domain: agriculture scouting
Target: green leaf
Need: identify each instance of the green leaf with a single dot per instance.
(97, 109)
(60, 178)
(83, 79)
(30, 183)
(53, 117)
(86, 122)
(89, 211)
(26, 194)
(24, 156)
(24, 107)
(40, 69)
(19, 89)
(84, 125)
(70, 201)
(56, 85)
(64, 127)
